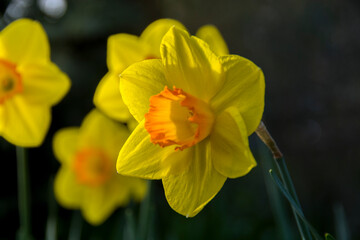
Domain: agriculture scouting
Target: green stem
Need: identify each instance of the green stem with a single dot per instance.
(51, 224)
(265, 136)
(341, 225)
(23, 194)
(75, 226)
(286, 179)
(293, 203)
(130, 225)
(276, 201)
(145, 214)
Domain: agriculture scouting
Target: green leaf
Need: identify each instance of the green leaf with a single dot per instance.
(294, 204)
(341, 226)
(76, 226)
(145, 211)
(277, 202)
(130, 225)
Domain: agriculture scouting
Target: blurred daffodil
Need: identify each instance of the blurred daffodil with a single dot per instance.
(29, 83)
(195, 111)
(87, 179)
(125, 49)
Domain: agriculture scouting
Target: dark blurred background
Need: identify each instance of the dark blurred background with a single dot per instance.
(309, 51)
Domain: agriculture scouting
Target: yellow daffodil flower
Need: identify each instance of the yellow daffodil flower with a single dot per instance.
(87, 179)
(29, 83)
(125, 49)
(195, 111)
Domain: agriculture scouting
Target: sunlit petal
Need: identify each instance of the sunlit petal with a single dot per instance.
(154, 33)
(212, 36)
(25, 41)
(96, 127)
(26, 124)
(44, 83)
(187, 193)
(123, 50)
(67, 192)
(108, 98)
(190, 64)
(139, 82)
(244, 88)
(100, 202)
(229, 145)
(139, 157)
(64, 144)
(87, 179)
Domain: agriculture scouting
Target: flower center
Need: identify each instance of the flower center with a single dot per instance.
(92, 167)
(10, 80)
(178, 118)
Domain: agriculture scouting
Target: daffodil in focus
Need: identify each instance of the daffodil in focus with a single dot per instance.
(29, 83)
(195, 110)
(125, 49)
(87, 179)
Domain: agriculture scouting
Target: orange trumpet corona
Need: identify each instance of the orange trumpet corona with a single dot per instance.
(178, 118)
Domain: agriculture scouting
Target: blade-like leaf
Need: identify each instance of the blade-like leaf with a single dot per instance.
(294, 204)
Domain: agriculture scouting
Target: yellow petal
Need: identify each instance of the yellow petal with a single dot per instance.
(44, 83)
(229, 145)
(190, 64)
(67, 192)
(3, 53)
(2, 118)
(25, 41)
(96, 203)
(65, 144)
(141, 158)
(25, 124)
(125, 49)
(189, 192)
(108, 98)
(244, 88)
(99, 203)
(139, 82)
(99, 131)
(212, 36)
(154, 33)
